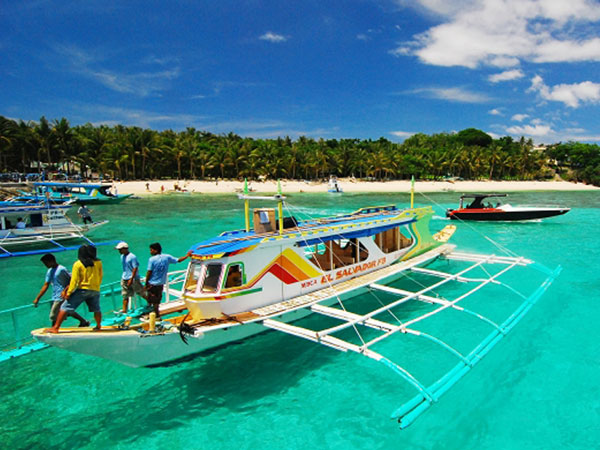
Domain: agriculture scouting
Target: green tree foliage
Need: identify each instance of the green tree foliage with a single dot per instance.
(134, 153)
(578, 161)
(475, 137)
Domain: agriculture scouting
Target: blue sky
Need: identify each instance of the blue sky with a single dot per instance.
(331, 69)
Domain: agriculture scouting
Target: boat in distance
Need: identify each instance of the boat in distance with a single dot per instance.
(82, 193)
(479, 210)
(40, 223)
(248, 281)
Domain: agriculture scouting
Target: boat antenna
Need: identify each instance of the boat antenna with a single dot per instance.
(247, 206)
(280, 206)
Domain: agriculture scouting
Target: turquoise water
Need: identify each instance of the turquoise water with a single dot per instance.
(537, 389)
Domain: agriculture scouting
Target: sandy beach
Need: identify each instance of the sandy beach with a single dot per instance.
(348, 185)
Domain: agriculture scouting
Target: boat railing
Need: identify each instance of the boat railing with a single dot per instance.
(16, 323)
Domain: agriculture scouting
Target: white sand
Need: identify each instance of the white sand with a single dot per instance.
(348, 185)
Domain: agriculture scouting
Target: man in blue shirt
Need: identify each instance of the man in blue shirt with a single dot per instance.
(59, 278)
(156, 277)
(130, 280)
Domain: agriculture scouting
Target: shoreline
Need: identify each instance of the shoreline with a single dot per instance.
(347, 185)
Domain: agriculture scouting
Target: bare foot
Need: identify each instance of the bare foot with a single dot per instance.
(51, 330)
(96, 329)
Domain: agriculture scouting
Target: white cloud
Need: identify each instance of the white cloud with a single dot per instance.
(519, 117)
(507, 75)
(501, 33)
(495, 112)
(142, 84)
(402, 134)
(569, 94)
(88, 65)
(454, 94)
(273, 37)
(531, 131)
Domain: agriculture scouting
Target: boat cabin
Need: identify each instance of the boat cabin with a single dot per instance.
(72, 189)
(31, 216)
(239, 270)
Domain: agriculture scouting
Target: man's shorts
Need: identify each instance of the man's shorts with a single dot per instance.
(154, 293)
(91, 298)
(130, 291)
(54, 310)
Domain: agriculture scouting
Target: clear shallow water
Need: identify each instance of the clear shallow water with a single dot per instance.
(538, 388)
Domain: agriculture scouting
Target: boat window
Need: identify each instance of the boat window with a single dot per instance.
(392, 240)
(311, 250)
(194, 274)
(338, 253)
(344, 252)
(234, 276)
(211, 279)
(36, 220)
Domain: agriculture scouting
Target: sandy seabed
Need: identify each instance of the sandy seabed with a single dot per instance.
(347, 185)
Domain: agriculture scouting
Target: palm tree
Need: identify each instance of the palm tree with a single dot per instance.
(62, 136)
(203, 158)
(44, 136)
(7, 137)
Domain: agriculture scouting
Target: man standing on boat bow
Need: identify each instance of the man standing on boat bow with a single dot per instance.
(130, 280)
(86, 278)
(156, 277)
(59, 278)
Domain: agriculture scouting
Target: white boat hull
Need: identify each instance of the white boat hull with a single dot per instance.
(138, 349)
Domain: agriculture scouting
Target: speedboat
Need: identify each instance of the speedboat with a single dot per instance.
(481, 210)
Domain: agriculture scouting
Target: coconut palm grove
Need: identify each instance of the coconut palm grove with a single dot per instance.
(133, 153)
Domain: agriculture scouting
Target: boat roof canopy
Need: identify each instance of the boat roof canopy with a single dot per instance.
(19, 207)
(72, 185)
(482, 195)
(330, 228)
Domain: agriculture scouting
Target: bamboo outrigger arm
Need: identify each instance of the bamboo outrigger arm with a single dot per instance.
(426, 395)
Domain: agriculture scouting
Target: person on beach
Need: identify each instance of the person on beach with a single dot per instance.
(147, 187)
(59, 278)
(130, 280)
(85, 215)
(84, 287)
(156, 277)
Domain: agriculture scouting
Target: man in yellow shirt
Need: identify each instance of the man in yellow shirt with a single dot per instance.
(86, 277)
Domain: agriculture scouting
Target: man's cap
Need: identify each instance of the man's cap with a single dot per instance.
(121, 245)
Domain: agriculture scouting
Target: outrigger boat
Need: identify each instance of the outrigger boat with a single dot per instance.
(82, 193)
(481, 210)
(43, 223)
(248, 281)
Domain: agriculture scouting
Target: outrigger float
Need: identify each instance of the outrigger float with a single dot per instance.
(245, 282)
